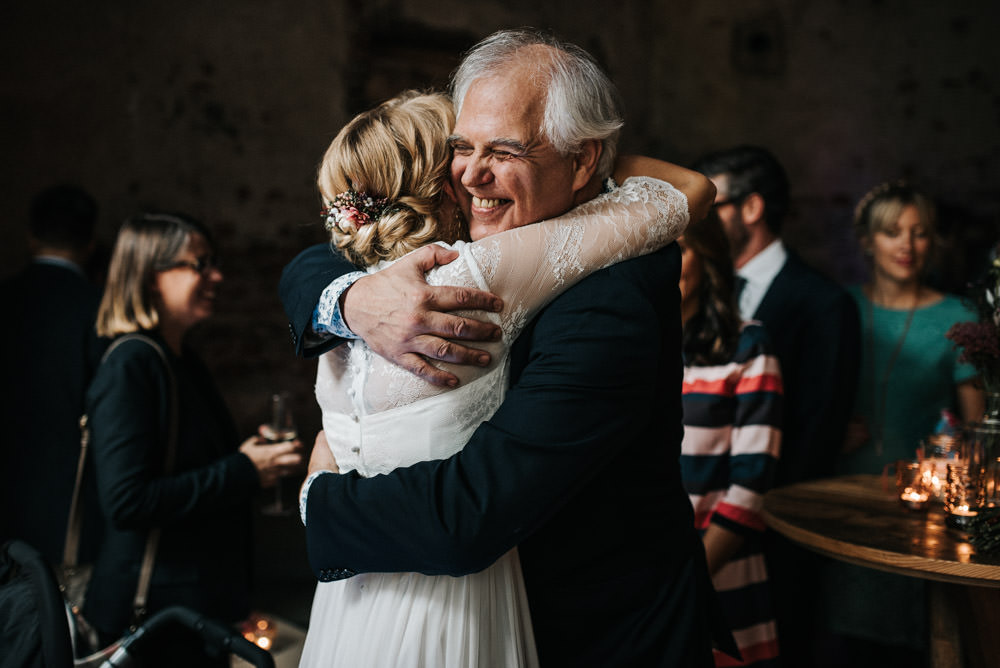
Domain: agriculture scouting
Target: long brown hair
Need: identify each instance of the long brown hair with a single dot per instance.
(711, 334)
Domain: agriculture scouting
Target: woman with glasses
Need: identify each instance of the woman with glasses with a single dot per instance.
(148, 392)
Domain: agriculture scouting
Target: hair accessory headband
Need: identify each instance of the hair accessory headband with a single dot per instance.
(351, 210)
(881, 190)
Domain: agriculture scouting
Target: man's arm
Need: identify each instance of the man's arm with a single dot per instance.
(303, 281)
(588, 391)
(397, 314)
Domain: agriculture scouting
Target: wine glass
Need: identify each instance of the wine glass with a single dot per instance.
(279, 428)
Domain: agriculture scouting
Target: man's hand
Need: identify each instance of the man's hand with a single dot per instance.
(405, 320)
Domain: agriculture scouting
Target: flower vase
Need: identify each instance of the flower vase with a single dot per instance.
(983, 448)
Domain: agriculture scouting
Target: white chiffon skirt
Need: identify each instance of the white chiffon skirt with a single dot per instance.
(414, 620)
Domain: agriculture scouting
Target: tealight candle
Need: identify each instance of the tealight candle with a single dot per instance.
(963, 494)
(912, 484)
(913, 499)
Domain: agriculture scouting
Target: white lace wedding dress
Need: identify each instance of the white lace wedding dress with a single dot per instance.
(378, 417)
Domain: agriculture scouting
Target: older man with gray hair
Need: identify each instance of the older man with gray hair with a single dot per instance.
(579, 466)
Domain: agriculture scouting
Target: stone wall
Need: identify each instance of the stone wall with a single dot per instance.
(224, 109)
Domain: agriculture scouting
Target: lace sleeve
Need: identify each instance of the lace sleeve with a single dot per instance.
(529, 266)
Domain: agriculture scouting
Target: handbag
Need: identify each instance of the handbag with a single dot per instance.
(74, 576)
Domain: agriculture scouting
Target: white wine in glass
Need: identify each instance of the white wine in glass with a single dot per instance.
(278, 429)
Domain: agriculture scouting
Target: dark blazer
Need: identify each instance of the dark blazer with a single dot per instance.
(579, 468)
(814, 326)
(49, 350)
(204, 509)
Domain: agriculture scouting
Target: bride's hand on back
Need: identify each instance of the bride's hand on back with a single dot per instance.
(322, 458)
(405, 320)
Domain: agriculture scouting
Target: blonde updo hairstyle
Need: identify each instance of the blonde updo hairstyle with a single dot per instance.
(398, 150)
(882, 206)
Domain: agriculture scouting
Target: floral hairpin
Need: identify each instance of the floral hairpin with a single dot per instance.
(351, 210)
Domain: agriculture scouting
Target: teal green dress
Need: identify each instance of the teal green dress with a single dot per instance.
(861, 602)
(921, 382)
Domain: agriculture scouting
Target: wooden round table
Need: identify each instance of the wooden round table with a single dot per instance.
(855, 519)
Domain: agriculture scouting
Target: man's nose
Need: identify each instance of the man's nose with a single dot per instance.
(476, 171)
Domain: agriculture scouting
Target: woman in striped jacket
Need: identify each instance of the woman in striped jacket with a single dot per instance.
(732, 436)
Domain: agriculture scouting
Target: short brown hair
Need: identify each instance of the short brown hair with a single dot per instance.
(147, 243)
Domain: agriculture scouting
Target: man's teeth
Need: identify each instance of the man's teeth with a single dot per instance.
(485, 203)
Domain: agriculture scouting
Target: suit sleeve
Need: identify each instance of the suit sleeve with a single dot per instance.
(302, 283)
(587, 388)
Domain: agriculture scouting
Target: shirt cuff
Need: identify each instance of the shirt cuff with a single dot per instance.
(304, 494)
(327, 318)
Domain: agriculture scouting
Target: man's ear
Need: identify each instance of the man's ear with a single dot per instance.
(585, 163)
(752, 208)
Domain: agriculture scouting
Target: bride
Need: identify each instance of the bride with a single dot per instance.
(384, 179)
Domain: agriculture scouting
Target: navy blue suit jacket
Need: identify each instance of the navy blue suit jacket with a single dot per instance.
(579, 468)
(814, 326)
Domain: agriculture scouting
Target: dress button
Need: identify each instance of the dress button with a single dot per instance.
(354, 418)
(355, 449)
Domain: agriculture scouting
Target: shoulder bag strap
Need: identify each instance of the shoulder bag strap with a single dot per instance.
(72, 547)
(141, 599)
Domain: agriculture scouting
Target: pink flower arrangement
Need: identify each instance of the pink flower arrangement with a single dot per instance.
(980, 340)
(350, 211)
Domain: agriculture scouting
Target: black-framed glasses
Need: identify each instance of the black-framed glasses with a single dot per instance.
(202, 265)
(732, 200)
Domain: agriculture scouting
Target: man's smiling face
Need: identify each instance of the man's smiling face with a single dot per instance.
(505, 172)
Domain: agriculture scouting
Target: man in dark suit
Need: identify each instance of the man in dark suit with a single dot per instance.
(814, 326)
(49, 352)
(579, 466)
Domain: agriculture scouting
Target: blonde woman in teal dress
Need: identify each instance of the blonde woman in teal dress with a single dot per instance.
(909, 370)
(909, 373)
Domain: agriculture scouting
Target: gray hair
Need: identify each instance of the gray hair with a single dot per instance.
(581, 102)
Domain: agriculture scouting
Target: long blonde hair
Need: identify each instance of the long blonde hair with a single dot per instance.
(397, 151)
(147, 243)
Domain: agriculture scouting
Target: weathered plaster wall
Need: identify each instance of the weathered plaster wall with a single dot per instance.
(223, 110)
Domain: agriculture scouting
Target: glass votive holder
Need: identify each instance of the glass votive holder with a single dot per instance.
(963, 494)
(911, 484)
(939, 449)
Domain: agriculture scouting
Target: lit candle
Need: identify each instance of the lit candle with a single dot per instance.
(934, 481)
(913, 499)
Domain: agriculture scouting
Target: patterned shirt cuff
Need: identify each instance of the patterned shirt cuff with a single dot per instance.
(327, 318)
(304, 494)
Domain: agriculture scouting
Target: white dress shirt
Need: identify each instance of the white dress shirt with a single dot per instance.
(759, 273)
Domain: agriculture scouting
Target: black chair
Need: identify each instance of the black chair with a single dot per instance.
(35, 631)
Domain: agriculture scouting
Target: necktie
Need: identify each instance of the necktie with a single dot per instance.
(738, 284)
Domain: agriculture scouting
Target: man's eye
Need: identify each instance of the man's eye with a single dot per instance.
(461, 149)
(502, 155)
